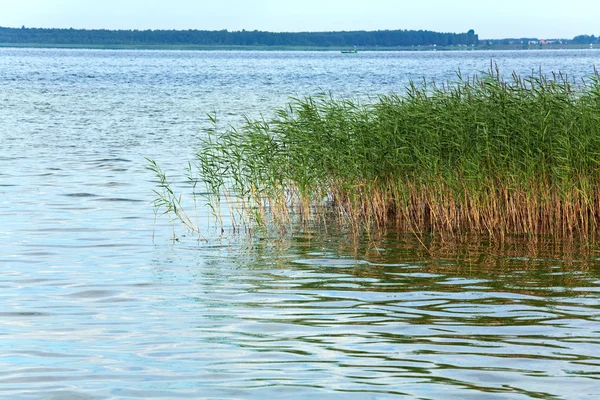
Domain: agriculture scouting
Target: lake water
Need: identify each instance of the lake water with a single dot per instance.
(99, 302)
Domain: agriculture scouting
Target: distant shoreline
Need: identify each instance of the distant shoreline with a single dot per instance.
(297, 48)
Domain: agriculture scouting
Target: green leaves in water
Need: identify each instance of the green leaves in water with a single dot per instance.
(166, 200)
(481, 155)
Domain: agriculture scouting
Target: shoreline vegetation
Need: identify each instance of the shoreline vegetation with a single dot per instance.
(480, 156)
(399, 40)
(194, 37)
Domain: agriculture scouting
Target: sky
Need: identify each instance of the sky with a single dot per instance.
(490, 19)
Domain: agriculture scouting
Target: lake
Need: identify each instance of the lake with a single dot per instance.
(98, 301)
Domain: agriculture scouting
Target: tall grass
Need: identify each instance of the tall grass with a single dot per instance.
(483, 155)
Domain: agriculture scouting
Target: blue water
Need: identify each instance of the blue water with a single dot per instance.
(98, 301)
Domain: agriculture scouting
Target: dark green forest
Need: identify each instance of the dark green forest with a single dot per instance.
(586, 39)
(385, 38)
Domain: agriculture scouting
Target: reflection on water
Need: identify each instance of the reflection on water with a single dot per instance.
(307, 315)
(93, 307)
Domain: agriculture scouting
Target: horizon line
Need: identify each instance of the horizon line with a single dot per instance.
(306, 31)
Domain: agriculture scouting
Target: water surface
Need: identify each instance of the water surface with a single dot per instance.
(99, 302)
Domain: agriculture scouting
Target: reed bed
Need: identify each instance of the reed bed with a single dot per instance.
(483, 155)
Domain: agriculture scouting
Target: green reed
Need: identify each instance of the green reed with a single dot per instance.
(482, 155)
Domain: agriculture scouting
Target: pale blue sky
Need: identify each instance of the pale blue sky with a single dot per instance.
(490, 19)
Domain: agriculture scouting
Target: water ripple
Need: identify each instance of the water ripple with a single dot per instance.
(100, 302)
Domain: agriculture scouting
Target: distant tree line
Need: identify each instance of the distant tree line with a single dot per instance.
(581, 39)
(388, 38)
(586, 39)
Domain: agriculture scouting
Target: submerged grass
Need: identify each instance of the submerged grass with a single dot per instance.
(484, 156)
